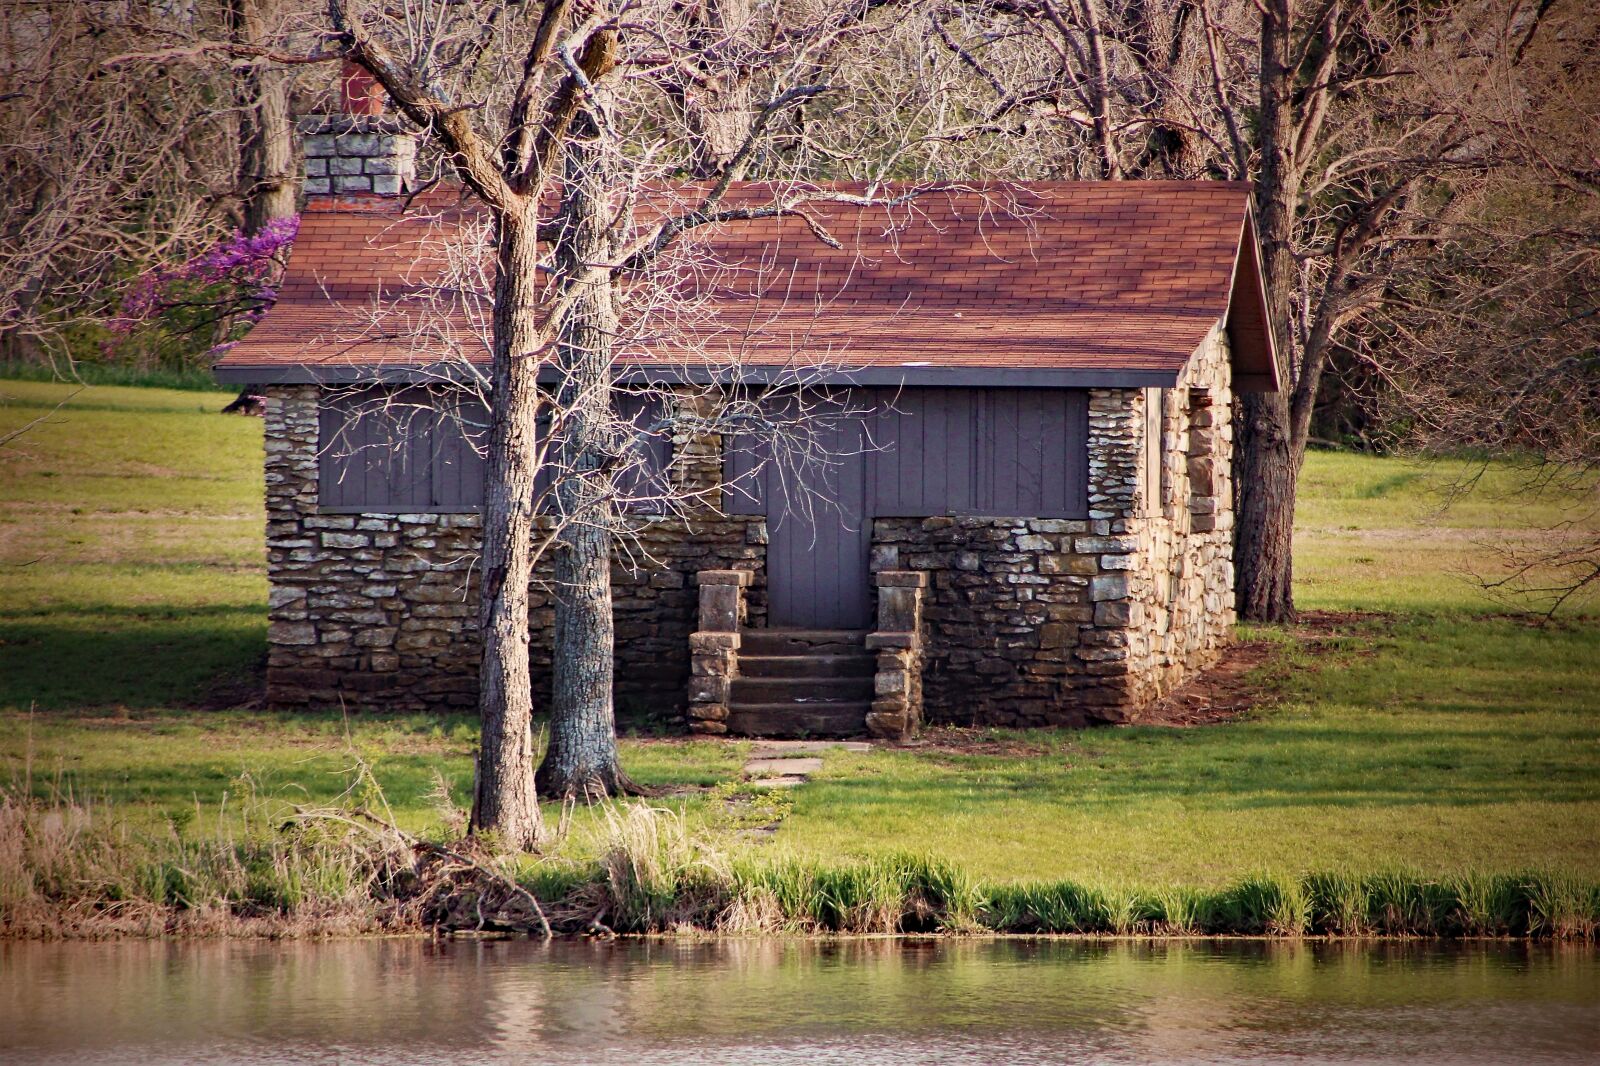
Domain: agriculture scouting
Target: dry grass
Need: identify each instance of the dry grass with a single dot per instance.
(69, 869)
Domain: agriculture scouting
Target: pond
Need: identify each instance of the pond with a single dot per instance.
(861, 1001)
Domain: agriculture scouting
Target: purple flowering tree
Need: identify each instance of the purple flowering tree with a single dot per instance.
(186, 316)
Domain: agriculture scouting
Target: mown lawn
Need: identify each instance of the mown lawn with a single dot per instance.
(1434, 731)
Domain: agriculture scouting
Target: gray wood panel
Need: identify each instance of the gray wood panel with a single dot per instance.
(998, 452)
(916, 453)
(819, 538)
(385, 450)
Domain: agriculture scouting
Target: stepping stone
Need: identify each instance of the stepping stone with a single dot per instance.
(768, 748)
(777, 782)
(782, 767)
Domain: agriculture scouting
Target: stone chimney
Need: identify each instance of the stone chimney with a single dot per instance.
(359, 150)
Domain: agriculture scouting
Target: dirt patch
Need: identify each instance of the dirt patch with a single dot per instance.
(1228, 690)
(963, 740)
(1238, 684)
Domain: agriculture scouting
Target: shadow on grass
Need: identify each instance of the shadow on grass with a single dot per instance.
(127, 657)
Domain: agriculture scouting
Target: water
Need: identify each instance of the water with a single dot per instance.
(876, 1001)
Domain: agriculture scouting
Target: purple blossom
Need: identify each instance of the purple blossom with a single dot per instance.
(244, 263)
(241, 257)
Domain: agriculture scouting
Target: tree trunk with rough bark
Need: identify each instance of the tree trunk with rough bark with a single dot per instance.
(1268, 458)
(268, 172)
(268, 177)
(581, 760)
(1266, 476)
(504, 802)
(716, 101)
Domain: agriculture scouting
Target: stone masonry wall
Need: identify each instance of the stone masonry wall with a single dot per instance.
(1181, 601)
(1067, 622)
(380, 610)
(1027, 621)
(358, 154)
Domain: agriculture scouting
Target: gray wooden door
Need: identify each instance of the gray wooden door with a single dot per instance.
(909, 453)
(818, 575)
(819, 530)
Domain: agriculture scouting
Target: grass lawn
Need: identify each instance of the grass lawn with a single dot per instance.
(1440, 734)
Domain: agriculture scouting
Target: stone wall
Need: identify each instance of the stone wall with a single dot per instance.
(348, 154)
(1181, 595)
(380, 610)
(1068, 622)
(1007, 610)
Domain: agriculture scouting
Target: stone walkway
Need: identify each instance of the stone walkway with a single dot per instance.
(787, 763)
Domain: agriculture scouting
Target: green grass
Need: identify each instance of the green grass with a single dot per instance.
(131, 525)
(1443, 736)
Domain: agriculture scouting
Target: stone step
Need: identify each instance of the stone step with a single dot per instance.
(774, 749)
(800, 689)
(798, 720)
(862, 665)
(769, 642)
(782, 767)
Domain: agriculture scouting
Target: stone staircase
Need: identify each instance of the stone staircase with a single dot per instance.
(801, 683)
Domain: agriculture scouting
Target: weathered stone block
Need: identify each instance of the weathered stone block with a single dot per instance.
(1057, 635)
(296, 633)
(739, 578)
(708, 688)
(720, 608)
(1108, 587)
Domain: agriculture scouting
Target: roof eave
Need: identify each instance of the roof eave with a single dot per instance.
(751, 375)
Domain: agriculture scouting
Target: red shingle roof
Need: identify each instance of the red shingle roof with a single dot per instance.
(1103, 279)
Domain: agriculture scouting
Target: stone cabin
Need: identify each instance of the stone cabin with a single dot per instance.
(1040, 533)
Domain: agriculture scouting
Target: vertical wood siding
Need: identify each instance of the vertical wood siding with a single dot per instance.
(924, 452)
(915, 453)
(416, 450)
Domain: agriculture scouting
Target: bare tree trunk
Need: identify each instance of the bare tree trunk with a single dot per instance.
(504, 802)
(268, 176)
(267, 171)
(1266, 477)
(716, 99)
(1100, 90)
(1269, 461)
(581, 759)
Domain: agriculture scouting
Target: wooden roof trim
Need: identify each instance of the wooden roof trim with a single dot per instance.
(753, 375)
(1255, 363)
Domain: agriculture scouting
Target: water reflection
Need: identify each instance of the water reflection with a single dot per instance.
(793, 1002)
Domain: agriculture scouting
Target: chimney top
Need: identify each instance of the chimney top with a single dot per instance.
(359, 91)
(360, 150)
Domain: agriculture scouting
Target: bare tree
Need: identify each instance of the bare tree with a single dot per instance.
(1488, 338)
(580, 130)
(1364, 110)
(106, 171)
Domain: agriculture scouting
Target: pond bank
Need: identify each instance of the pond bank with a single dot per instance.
(66, 872)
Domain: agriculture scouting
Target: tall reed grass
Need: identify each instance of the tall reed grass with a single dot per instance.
(69, 868)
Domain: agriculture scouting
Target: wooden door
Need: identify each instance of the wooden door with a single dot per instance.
(819, 531)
